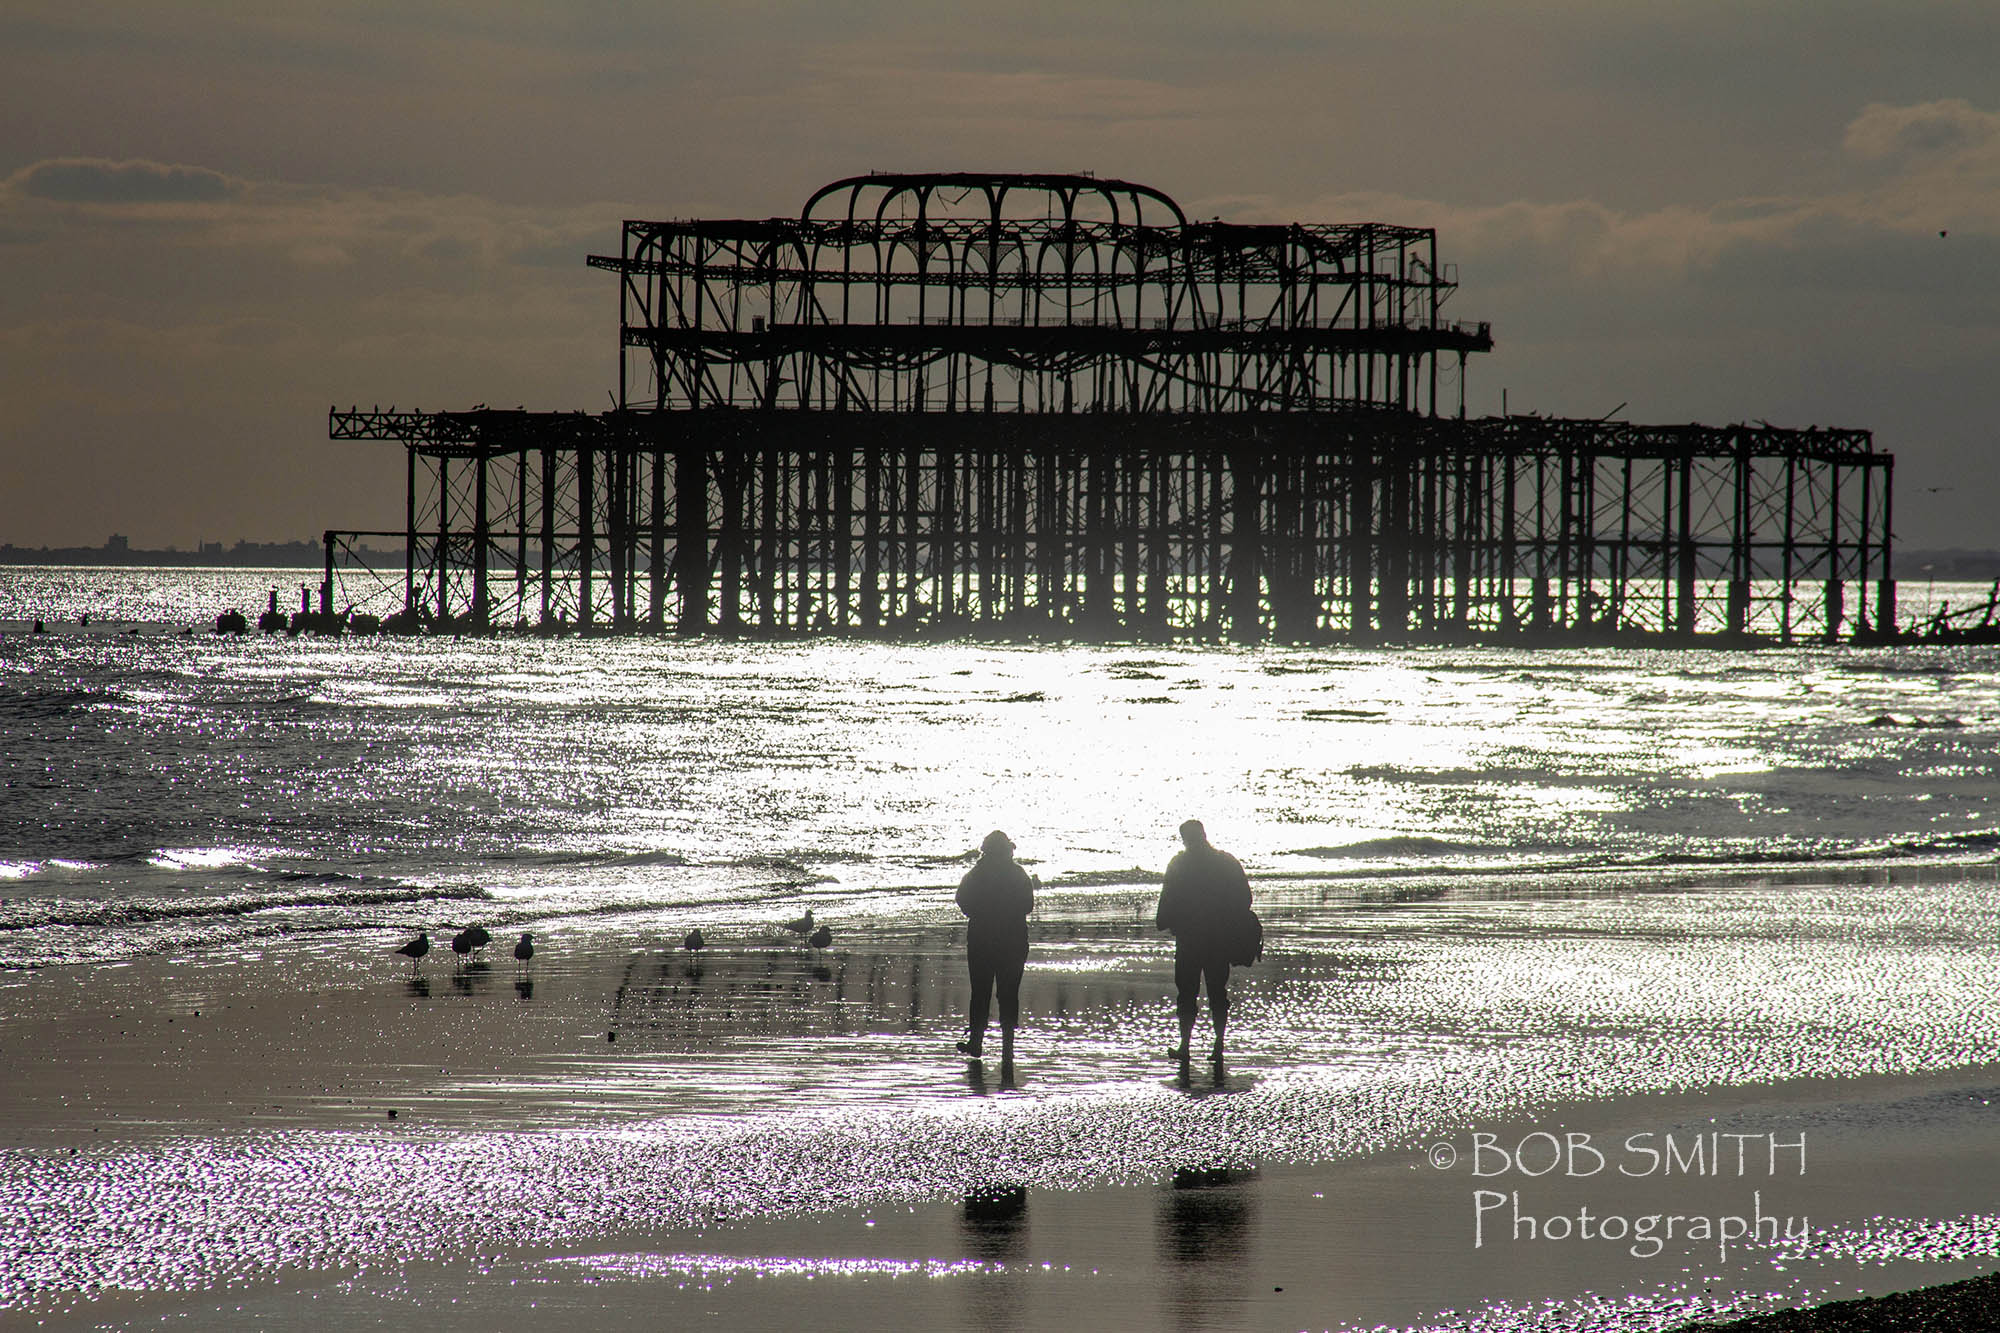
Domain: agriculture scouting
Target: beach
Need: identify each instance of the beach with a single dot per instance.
(1602, 990)
(298, 1135)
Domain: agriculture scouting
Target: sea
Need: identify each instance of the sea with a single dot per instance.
(1492, 878)
(171, 789)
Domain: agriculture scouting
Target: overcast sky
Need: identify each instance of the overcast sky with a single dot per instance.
(218, 218)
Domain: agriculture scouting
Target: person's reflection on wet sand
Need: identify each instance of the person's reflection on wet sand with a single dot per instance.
(1218, 1075)
(975, 1078)
(994, 1228)
(1203, 1232)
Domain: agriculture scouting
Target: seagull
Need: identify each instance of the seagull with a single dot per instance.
(803, 926)
(472, 937)
(694, 941)
(417, 947)
(526, 948)
(821, 938)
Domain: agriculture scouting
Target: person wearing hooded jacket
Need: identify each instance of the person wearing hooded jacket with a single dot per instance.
(996, 896)
(1203, 901)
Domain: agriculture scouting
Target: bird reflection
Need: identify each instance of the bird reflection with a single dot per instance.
(1203, 1234)
(525, 988)
(418, 985)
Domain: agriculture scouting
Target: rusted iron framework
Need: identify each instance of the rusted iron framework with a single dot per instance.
(1053, 406)
(1030, 294)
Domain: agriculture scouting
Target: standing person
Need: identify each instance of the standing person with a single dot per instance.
(1204, 902)
(996, 896)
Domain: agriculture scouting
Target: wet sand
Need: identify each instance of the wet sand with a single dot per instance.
(777, 1136)
(1970, 1306)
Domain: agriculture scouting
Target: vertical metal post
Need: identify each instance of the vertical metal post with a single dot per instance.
(1245, 545)
(1740, 562)
(1864, 546)
(586, 536)
(842, 553)
(1684, 613)
(521, 532)
(444, 542)
(1510, 548)
(1885, 599)
(1789, 550)
(410, 530)
(944, 532)
(548, 533)
(616, 461)
(1836, 608)
(482, 537)
(656, 533)
(691, 536)
(326, 581)
(869, 613)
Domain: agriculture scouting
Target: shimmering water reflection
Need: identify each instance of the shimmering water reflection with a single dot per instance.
(184, 792)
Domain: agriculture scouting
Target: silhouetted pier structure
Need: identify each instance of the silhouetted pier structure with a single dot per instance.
(1055, 406)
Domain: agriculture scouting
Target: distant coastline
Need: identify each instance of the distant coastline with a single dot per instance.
(118, 551)
(1942, 565)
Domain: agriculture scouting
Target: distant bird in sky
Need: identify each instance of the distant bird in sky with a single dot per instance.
(821, 938)
(525, 949)
(694, 941)
(803, 926)
(472, 937)
(417, 947)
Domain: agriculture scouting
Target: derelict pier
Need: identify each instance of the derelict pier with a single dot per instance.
(1054, 406)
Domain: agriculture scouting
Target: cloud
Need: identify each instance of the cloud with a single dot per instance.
(238, 239)
(1940, 172)
(1950, 128)
(84, 180)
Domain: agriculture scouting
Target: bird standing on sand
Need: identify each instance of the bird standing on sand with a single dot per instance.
(525, 949)
(472, 937)
(803, 926)
(694, 941)
(417, 947)
(821, 938)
